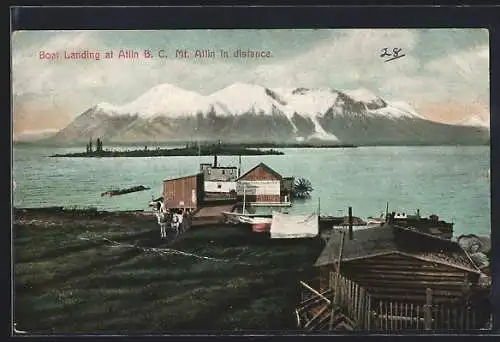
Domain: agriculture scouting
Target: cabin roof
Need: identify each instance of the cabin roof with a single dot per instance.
(182, 177)
(264, 166)
(388, 239)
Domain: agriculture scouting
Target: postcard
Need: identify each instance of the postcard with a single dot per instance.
(251, 180)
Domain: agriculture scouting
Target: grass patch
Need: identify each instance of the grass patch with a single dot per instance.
(83, 287)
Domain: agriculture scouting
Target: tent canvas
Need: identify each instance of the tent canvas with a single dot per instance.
(285, 226)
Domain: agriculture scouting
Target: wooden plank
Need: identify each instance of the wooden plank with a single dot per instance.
(418, 316)
(361, 307)
(415, 283)
(315, 292)
(412, 314)
(427, 314)
(314, 297)
(401, 313)
(399, 259)
(394, 271)
(319, 313)
(369, 264)
(391, 325)
(395, 274)
(379, 288)
(406, 315)
(356, 303)
(395, 318)
(310, 304)
(385, 314)
(398, 267)
(380, 314)
(349, 298)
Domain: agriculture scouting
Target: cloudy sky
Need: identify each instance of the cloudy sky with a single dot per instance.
(444, 74)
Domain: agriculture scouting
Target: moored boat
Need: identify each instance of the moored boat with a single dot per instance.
(124, 191)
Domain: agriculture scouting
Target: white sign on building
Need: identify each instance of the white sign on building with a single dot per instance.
(220, 187)
(268, 187)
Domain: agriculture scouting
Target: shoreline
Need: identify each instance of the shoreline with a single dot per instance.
(174, 152)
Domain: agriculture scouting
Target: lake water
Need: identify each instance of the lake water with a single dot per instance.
(452, 182)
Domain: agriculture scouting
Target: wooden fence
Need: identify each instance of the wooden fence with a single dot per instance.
(371, 314)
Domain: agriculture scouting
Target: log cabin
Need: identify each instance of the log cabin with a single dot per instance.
(397, 268)
(394, 262)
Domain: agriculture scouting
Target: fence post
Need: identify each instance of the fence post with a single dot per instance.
(428, 309)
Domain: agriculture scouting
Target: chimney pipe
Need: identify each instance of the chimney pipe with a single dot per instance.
(350, 224)
(239, 166)
(215, 161)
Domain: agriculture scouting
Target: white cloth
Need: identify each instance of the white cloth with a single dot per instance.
(285, 226)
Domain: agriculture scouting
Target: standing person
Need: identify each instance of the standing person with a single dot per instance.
(162, 219)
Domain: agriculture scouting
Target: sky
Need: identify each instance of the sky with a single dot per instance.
(444, 74)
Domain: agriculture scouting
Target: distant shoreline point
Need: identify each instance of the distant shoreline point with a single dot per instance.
(228, 149)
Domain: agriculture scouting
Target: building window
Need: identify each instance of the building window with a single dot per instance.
(219, 186)
(223, 172)
(209, 171)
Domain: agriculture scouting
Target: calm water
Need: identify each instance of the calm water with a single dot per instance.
(449, 181)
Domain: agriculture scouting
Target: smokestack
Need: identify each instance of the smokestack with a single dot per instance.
(350, 224)
(239, 168)
(215, 161)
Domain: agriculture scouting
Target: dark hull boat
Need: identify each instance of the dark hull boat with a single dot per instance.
(124, 191)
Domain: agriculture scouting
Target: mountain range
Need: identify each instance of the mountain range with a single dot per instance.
(253, 113)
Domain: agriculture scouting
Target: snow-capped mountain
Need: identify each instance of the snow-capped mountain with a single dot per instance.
(250, 112)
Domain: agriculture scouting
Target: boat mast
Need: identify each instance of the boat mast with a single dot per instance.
(244, 198)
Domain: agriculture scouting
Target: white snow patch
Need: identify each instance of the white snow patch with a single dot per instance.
(310, 103)
(239, 98)
(323, 136)
(474, 121)
(168, 100)
(362, 95)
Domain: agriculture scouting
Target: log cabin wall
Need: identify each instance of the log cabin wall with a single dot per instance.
(400, 277)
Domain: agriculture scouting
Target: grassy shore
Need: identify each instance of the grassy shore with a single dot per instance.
(68, 279)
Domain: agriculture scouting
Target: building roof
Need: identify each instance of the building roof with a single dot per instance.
(264, 166)
(387, 239)
(183, 177)
(223, 167)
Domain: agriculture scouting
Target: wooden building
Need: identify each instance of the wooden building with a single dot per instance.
(388, 273)
(219, 173)
(219, 181)
(393, 262)
(260, 184)
(184, 192)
